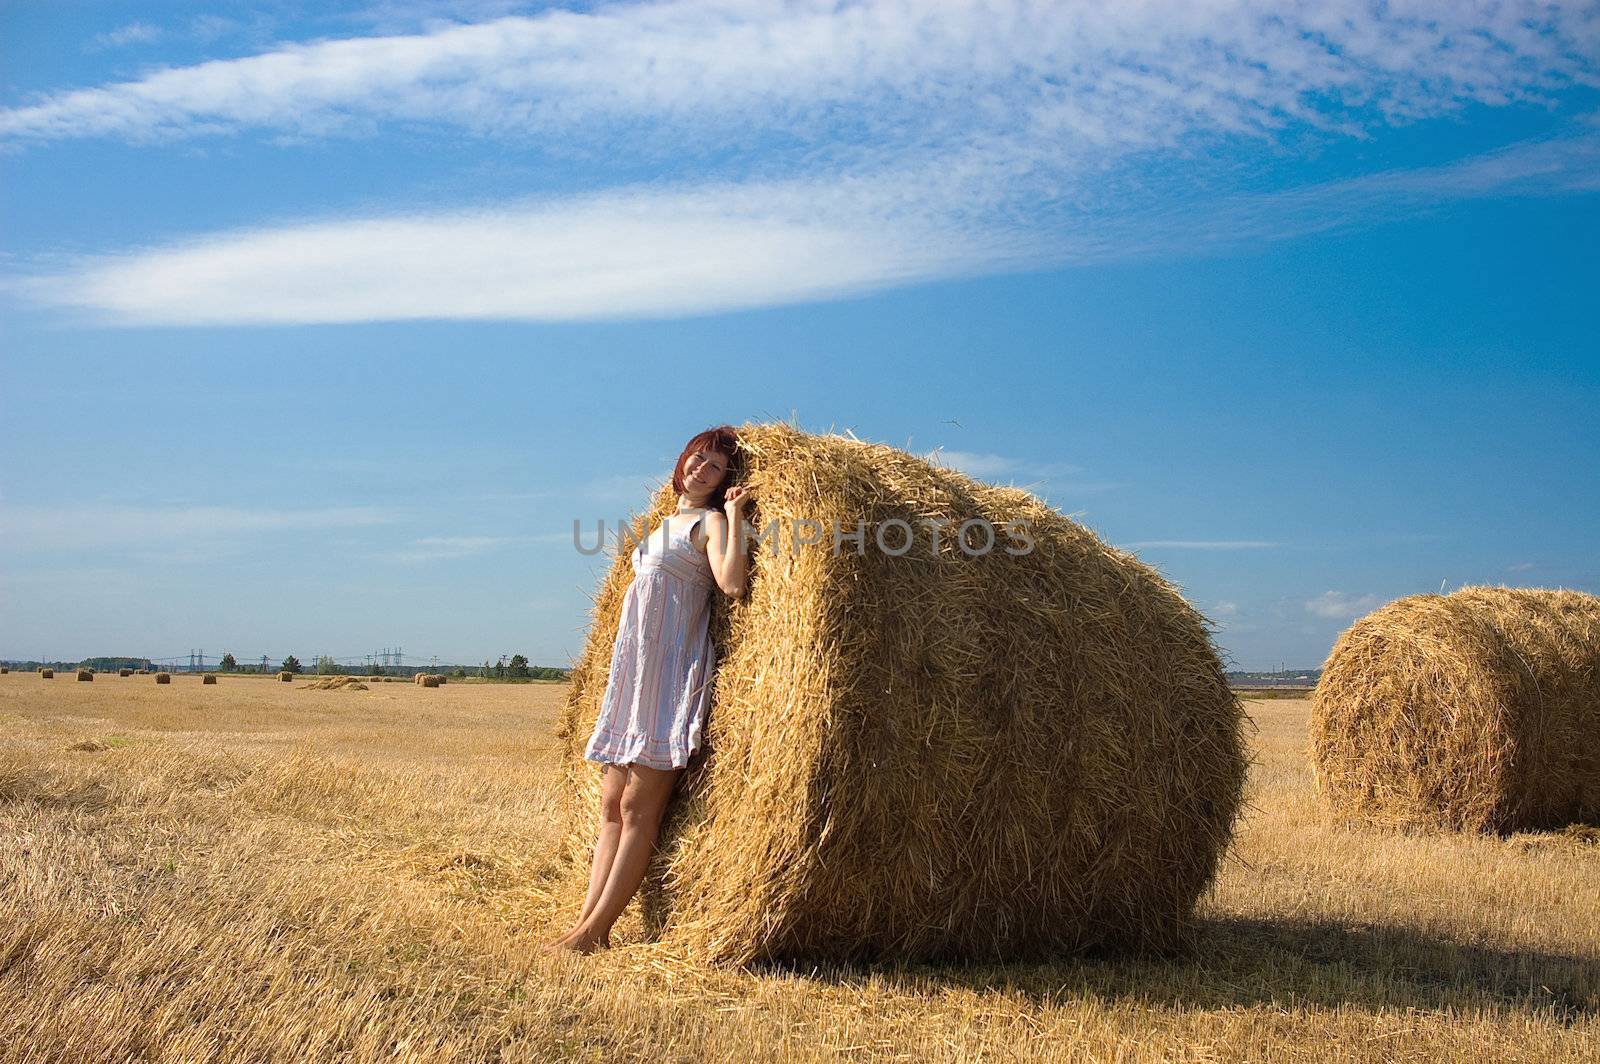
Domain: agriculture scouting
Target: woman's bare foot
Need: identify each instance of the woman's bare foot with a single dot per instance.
(576, 943)
(577, 940)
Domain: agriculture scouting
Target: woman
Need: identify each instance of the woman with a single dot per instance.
(659, 687)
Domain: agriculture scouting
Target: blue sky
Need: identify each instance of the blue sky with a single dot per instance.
(322, 324)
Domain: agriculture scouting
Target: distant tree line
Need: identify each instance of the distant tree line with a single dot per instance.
(508, 669)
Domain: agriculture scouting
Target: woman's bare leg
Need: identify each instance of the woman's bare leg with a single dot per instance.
(613, 781)
(644, 799)
(605, 847)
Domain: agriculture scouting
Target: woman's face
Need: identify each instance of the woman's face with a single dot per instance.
(703, 471)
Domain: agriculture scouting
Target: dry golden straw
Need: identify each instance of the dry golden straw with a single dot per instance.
(335, 683)
(1478, 710)
(933, 755)
(163, 677)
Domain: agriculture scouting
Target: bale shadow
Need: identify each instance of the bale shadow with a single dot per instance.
(1240, 962)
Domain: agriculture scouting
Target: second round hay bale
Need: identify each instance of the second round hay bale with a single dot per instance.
(124, 672)
(208, 679)
(1478, 710)
(163, 677)
(932, 755)
(47, 674)
(286, 677)
(87, 675)
(430, 681)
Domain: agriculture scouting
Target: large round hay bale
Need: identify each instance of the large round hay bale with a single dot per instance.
(208, 678)
(441, 678)
(124, 672)
(1478, 710)
(47, 674)
(163, 677)
(286, 676)
(86, 675)
(430, 681)
(928, 754)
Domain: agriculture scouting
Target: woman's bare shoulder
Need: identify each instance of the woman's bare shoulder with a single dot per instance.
(714, 519)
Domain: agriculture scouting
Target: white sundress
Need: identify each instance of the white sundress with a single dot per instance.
(659, 687)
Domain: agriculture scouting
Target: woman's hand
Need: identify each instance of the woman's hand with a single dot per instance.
(735, 501)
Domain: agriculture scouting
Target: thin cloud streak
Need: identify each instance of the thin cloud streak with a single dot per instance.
(1203, 544)
(98, 525)
(643, 253)
(448, 548)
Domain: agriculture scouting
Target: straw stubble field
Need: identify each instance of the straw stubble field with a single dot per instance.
(256, 871)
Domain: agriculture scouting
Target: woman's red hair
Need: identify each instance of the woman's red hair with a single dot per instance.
(724, 438)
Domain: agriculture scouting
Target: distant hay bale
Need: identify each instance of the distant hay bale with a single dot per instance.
(430, 681)
(335, 683)
(163, 677)
(936, 755)
(208, 678)
(124, 672)
(86, 675)
(48, 674)
(286, 677)
(441, 678)
(4, 670)
(1478, 710)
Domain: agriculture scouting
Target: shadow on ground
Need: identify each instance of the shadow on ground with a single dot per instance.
(1238, 962)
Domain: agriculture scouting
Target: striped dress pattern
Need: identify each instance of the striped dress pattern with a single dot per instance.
(659, 688)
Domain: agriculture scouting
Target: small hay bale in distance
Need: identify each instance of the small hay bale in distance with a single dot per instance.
(430, 681)
(208, 679)
(286, 677)
(933, 756)
(335, 683)
(124, 672)
(441, 677)
(86, 675)
(1477, 711)
(4, 670)
(47, 674)
(163, 677)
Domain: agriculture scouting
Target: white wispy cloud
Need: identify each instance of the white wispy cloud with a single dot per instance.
(983, 466)
(96, 525)
(1132, 74)
(819, 149)
(1203, 544)
(122, 36)
(1342, 606)
(640, 252)
(447, 548)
